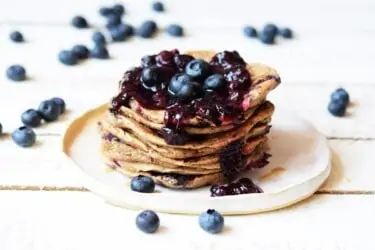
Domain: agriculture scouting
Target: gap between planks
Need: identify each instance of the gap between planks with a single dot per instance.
(82, 189)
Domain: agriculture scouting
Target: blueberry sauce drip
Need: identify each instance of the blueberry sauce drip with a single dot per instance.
(224, 104)
(231, 158)
(242, 186)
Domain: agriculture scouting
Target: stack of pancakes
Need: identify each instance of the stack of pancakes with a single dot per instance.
(132, 141)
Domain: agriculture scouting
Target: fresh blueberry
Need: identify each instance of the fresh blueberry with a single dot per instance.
(98, 38)
(177, 81)
(113, 21)
(189, 91)
(175, 30)
(118, 9)
(211, 221)
(337, 108)
(79, 22)
(286, 33)
(340, 95)
(24, 136)
(105, 11)
(99, 52)
(16, 36)
(267, 37)
(270, 28)
(214, 82)
(80, 51)
(198, 69)
(121, 32)
(147, 29)
(49, 110)
(147, 221)
(142, 184)
(67, 57)
(151, 76)
(60, 103)
(16, 73)
(158, 6)
(31, 118)
(250, 31)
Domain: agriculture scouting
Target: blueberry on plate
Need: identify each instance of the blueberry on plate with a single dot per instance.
(31, 118)
(113, 21)
(211, 221)
(142, 184)
(270, 28)
(214, 82)
(67, 57)
(16, 73)
(198, 69)
(105, 11)
(98, 38)
(267, 37)
(177, 81)
(24, 136)
(147, 221)
(158, 6)
(250, 31)
(340, 95)
(286, 33)
(79, 22)
(80, 51)
(147, 29)
(151, 76)
(16, 36)
(60, 103)
(49, 110)
(118, 9)
(99, 52)
(337, 108)
(175, 30)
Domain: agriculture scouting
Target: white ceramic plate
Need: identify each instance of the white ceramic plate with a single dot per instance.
(299, 165)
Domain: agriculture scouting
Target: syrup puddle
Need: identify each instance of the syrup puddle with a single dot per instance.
(273, 173)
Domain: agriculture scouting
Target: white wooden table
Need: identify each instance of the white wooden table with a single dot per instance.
(44, 207)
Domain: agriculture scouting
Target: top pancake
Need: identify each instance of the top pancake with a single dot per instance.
(264, 79)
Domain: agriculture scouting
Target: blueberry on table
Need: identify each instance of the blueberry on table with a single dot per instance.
(31, 118)
(158, 6)
(198, 69)
(113, 20)
(49, 110)
(98, 38)
(267, 37)
(147, 221)
(270, 28)
(250, 31)
(80, 51)
(118, 9)
(147, 29)
(67, 57)
(105, 11)
(151, 76)
(211, 221)
(175, 30)
(24, 136)
(286, 33)
(214, 82)
(340, 95)
(121, 32)
(79, 22)
(16, 73)
(99, 52)
(16, 36)
(142, 184)
(60, 103)
(337, 108)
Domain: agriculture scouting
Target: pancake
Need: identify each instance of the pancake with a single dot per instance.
(218, 140)
(264, 79)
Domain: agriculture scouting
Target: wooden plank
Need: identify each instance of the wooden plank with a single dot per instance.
(40, 166)
(37, 220)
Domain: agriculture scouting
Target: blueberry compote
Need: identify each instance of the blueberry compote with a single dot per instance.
(188, 96)
(242, 186)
